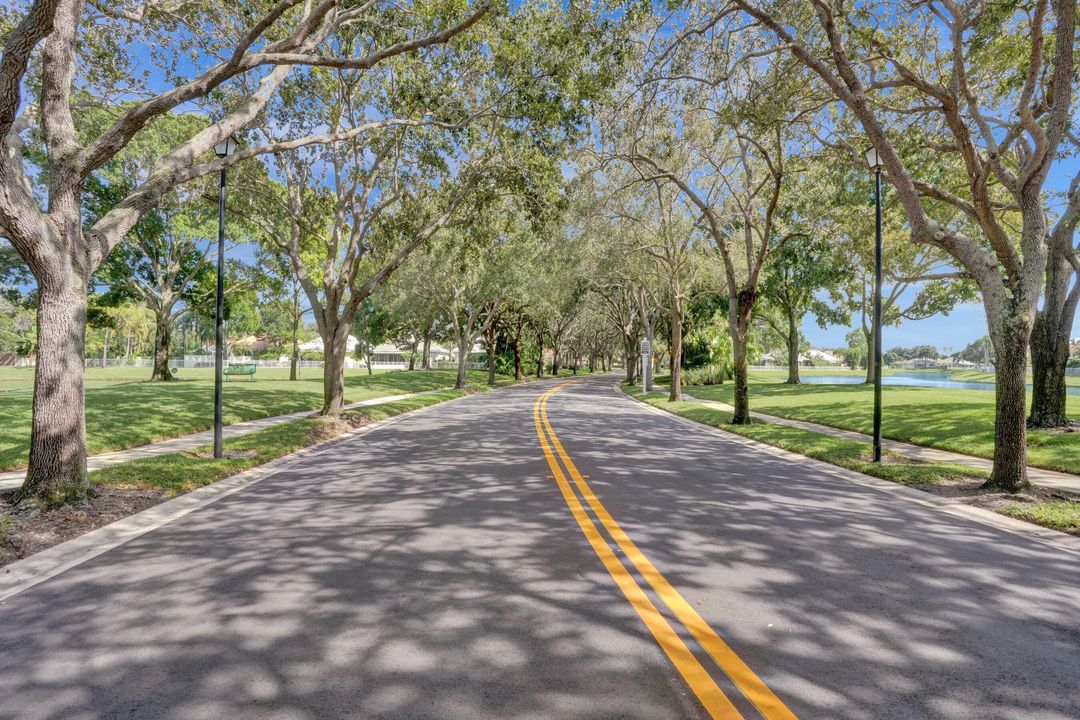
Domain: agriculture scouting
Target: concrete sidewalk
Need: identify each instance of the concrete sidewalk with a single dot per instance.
(184, 443)
(1052, 479)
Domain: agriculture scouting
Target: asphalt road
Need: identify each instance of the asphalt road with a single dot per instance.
(462, 562)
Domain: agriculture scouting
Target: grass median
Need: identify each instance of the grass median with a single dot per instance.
(122, 412)
(958, 481)
(957, 420)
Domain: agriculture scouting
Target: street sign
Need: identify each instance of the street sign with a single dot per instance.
(646, 349)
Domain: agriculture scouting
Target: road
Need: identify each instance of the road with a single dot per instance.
(553, 551)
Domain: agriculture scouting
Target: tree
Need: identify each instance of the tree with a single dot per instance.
(855, 354)
(665, 234)
(282, 314)
(968, 110)
(371, 326)
(234, 67)
(798, 271)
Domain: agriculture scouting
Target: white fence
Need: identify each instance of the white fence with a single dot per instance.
(207, 361)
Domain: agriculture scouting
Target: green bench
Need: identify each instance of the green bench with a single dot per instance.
(240, 370)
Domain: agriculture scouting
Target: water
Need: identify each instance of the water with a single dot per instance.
(913, 379)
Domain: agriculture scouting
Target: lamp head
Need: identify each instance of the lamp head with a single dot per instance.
(226, 147)
(873, 160)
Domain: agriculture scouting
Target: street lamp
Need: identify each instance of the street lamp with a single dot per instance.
(223, 149)
(873, 160)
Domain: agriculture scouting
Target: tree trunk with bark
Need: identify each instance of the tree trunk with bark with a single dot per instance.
(540, 354)
(412, 352)
(162, 345)
(793, 349)
(1050, 347)
(1010, 336)
(491, 364)
(425, 363)
(335, 344)
(294, 356)
(675, 386)
(57, 461)
(516, 345)
(742, 306)
(463, 358)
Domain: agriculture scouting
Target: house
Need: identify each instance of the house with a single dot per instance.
(961, 363)
(316, 345)
(923, 363)
(387, 356)
(825, 357)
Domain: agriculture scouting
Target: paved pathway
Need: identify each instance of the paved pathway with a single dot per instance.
(1066, 482)
(463, 562)
(184, 443)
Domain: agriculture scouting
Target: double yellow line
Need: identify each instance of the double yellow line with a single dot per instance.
(714, 700)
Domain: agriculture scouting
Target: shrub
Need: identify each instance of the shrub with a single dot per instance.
(712, 374)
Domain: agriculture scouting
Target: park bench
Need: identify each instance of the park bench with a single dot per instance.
(240, 370)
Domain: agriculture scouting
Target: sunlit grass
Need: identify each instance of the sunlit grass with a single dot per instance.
(957, 420)
(121, 414)
(1063, 515)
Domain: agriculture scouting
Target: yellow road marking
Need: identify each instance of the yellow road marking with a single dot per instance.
(767, 703)
(699, 680)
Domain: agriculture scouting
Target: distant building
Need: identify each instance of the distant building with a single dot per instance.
(823, 356)
(923, 363)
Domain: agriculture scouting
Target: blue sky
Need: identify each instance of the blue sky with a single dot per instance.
(965, 323)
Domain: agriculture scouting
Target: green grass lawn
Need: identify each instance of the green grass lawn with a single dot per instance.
(837, 451)
(124, 410)
(957, 420)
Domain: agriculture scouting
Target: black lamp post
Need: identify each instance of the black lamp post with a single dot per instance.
(874, 161)
(223, 149)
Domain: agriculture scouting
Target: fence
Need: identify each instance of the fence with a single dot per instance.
(206, 361)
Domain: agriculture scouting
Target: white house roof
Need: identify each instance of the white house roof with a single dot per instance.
(316, 345)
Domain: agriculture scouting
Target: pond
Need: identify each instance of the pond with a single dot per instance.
(913, 379)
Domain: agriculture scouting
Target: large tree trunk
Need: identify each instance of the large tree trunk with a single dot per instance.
(294, 357)
(675, 386)
(793, 349)
(491, 364)
(555, 358)
(742, 307)
(162, 345)
(425, 363)
(540, 354)
(57, 463)
(412, 352)
(1010, 336)
(463, 357)
(335, 343)
(516, 345)
(1050, 347)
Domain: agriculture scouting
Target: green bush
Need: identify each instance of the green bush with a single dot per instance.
(712, 374)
